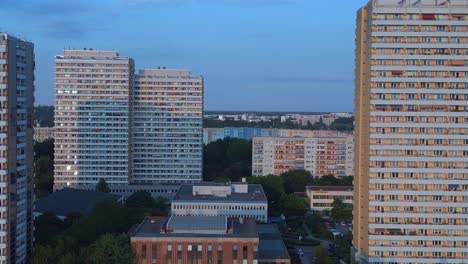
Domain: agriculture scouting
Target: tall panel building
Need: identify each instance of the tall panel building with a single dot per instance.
(16, 148)
(167, 131)
(126, 128)
(411, 110)
(92, 117)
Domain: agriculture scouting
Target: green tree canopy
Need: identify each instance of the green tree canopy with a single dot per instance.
(47, 226)
(229, 159)
(296, 180)
(341, 211)
(293, 205)
(111, 249)
(140, 199)
(322, 256)
(102, 186)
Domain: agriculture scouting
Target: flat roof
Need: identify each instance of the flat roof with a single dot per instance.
(160, 227)
(271, 245)
(330, 188)
(198, 224)
(254, 193)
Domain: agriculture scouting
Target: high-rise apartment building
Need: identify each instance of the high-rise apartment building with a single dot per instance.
(167, 131)
(411, 110)
(16, 148)
(318, 155)
(124, 127)
(92, 117)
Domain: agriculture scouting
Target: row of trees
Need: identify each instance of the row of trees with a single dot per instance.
(99, 237)
(43, 167)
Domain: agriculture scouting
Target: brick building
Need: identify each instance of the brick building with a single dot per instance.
(203, 239)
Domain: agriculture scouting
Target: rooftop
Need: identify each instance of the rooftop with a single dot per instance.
(195, 226)
(68, 200)
(198, 224)
(330, 188)
(220, 192)
(271, 246)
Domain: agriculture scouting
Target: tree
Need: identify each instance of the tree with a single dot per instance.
(296, 180)
(327, 180)
(274, 190)
(102, 186)
(322, 256)
(44, 148)
(47, 226)
(140, 199)
(110, 249)
(293, 205)
(107, 216)
(44, 115)
(43, 176)
(229, 159)
(341, 211)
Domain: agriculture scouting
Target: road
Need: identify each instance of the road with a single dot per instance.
(309, 252)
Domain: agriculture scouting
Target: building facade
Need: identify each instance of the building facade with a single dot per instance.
(43, 133)
(206, 239)
(16, 148)
(411, 179)
(211, 199)
(125, 128)
(167, 128)
(322, 197)
(318, 155)
(247, 133)
(92, 117)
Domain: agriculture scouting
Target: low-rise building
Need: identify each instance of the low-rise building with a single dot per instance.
(206, 239)
(212, 199)
(68, 200)
(322, 197)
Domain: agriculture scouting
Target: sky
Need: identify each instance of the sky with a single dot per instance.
(254, 55)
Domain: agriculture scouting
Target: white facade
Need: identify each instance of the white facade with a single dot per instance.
(232, 200)
(92, 118)
(16, 148)
(125, 128)
(167, 133)
(322, 197)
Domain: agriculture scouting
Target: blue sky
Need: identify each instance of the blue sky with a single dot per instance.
(262, 55)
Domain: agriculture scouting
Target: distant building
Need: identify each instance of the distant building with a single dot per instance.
(206, 239)
(16, 148)
(242, 132)
(318, 155)
(211, 199)
(43, 133)
(247, 133)
(322, 197)
(212, 135)
(68, 200)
